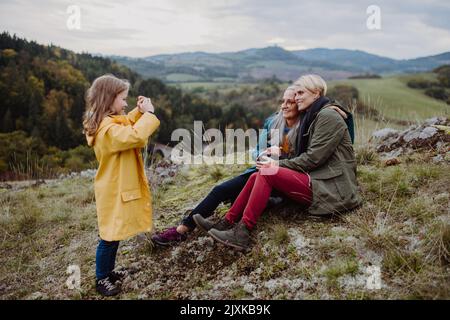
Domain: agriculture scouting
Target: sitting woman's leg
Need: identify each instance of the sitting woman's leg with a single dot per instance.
(253, 199)
(293, 184)
(225, 191)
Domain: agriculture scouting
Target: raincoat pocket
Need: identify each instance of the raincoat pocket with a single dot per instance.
(131, 195)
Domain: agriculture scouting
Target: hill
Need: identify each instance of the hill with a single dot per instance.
(395, 100)
(397, 246)
(43, 88)
(255, 64)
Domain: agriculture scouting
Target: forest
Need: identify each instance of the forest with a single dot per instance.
(43, 90)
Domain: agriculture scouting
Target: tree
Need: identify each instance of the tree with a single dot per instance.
(443, 75)
(7, 123)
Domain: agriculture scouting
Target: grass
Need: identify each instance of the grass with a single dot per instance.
(47, 228)
(403, 228)
(280, 235)
(339, 268)
(42, 235)
(393, 98)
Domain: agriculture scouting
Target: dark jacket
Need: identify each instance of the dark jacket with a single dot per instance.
(330, 161)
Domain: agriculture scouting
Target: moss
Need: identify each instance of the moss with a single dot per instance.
(280, 235)
(366, 155)
(239, 293)
(339, 268)
(397, 261)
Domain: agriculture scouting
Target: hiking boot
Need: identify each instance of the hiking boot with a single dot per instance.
(106, 288)
(206, 224)
(117, 276)
(238, 237)
(169, 237)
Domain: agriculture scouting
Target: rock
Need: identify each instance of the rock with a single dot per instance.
(249, 288)
(384, 133)
(432, 136)
(428, 132)
(438, 159)
(89, 173)
(38, 182)
(411, 135)
(200, 258)
(36, 296)
(299, 241)
(134, 267)
(435, 121)
(392, 154)
(5, 185)
(392, 162)
(176, 252)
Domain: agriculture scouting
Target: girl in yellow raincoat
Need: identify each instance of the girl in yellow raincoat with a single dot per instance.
(122, 194)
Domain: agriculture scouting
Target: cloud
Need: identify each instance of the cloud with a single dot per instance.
(141, 28)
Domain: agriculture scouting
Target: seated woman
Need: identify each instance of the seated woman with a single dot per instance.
(322, 175)
(286, 121)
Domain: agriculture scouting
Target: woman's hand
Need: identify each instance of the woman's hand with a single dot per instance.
(270, 163)
(273, 151)
(145, 104)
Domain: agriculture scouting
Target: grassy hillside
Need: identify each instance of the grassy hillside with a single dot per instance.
(403, 228)
(395, 99)
(390, 95)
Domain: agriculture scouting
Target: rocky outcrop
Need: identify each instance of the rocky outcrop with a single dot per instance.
(433, 136)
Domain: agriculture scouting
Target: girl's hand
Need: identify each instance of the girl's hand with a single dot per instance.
(270, 163)
(145, 104)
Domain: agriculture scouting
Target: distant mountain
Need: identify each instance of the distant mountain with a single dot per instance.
(255, 64)
(373, 63)
(427, 63)
(358, 60)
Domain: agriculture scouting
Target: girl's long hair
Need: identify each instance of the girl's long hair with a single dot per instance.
(99, 99)
(279, 123)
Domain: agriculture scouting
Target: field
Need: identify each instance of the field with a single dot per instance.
(402, 231)
(390, 96)
(395, 99)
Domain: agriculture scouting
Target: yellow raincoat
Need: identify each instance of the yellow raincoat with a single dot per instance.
(123, 200)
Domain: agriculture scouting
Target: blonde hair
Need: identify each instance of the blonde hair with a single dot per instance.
(99, 100)
(313, 83)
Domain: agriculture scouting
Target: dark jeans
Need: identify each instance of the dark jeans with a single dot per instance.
(105, 258)
(226, 191)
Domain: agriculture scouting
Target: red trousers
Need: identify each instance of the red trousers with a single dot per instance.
(253, 198)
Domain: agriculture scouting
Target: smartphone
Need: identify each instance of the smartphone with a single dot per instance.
(263, 157)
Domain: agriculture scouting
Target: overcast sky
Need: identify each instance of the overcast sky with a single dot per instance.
(140, 28)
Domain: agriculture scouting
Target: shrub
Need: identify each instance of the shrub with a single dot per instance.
(419, 84)
(437, 93)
